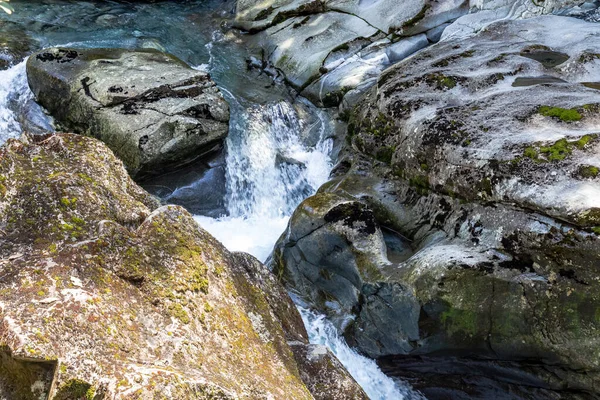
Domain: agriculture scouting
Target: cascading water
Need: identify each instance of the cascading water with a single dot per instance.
(14, 93)
(275, 159)
(269, 172)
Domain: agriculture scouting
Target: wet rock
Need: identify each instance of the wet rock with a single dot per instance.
(329, 48)
(15, 44)
(150, 108)
(107, 295)
(200, 187)
(324, 375)
(492, 193)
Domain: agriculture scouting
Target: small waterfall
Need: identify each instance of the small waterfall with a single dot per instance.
(270, 170)
(275, 159)
(365, 371)
(14, 93)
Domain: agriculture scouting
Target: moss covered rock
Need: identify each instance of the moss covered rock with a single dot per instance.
(107, 295)
(150, 108)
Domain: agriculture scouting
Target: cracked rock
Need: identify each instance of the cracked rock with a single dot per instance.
(150, 108)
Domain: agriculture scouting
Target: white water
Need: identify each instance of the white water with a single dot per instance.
(269, 172)
(262, 192)
(366, 372)
(14, 93)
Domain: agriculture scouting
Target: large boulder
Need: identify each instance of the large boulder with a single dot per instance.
(150, 108)
(462, 219)
(104, 294)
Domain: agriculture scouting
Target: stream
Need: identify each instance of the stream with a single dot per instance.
(278, 152)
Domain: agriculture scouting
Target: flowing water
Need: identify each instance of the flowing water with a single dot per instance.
(279, 149)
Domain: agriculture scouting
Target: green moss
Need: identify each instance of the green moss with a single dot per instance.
(458, 321)
(420, 183)
(75, 389)
(78, 221)
(441, 81)
(596, 230)
(385, 154)
(565, 115)
(588, 171)
(531, 152)
(581, 143)
(558, 151)
(414, 20)
(178, 312)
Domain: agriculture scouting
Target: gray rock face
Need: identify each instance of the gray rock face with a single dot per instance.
(475, 167)
(150, 108)
(333, 50)
(328, 48)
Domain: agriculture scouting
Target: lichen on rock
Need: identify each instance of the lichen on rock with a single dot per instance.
(118, 297)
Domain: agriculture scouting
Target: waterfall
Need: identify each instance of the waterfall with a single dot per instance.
(14, 93)
(365, 371)
(270, 170)
(272, 165)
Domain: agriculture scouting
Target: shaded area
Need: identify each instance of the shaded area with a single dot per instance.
(24, 379)
(445, 378)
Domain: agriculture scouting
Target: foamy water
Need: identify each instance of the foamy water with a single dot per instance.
(14, 92)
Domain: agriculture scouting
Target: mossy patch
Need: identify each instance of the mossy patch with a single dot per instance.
(457, 321)
(415, 20)
(563, 114)
(441, 81)
(557, 151)
(588, 171)
(75, 389)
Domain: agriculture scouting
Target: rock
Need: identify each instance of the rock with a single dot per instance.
(488, 195)
(199, 187)
(107, 295)
(328, 48)
(434, 35)
(324, 375)
(402, 49)
(150, 108)
(15, 44)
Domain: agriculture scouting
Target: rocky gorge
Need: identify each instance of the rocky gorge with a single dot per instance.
(419, 179)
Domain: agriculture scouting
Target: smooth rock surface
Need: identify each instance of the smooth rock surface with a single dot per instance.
(328, 49)
(150, 108)
(488, 197)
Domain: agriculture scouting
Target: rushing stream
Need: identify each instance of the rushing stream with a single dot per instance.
(278, 151)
